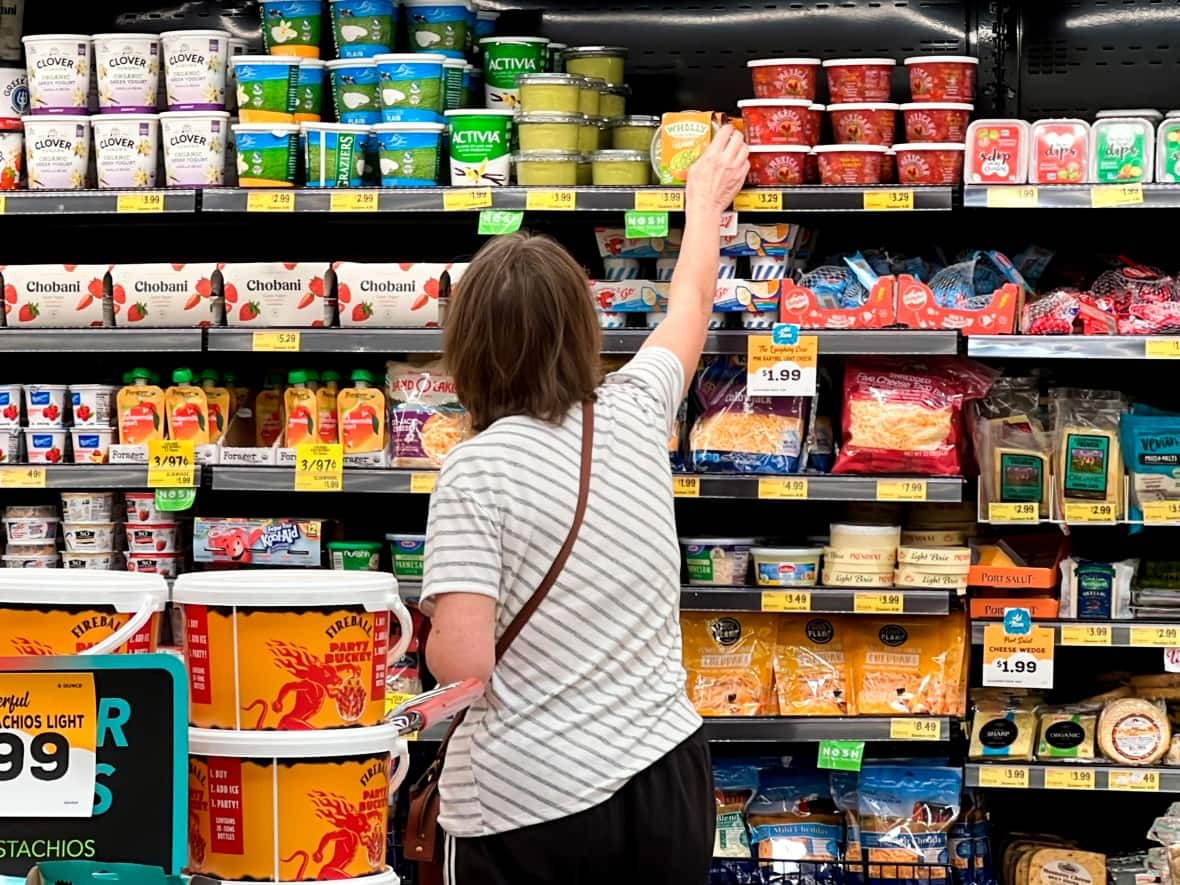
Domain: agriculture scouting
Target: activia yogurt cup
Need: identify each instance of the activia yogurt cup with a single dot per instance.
(411, 86)
(267, 154)
(355, 90)
(194, 147)
(409, 153)
(480, 146)
(505, 58)
(195, 64)
(128, 69)
(309, 97)
(292, 27)
(335, 154)
(363, 28)
(57, 151)
(437, 26)
(126, 149)
(58, 67)
(267, 87)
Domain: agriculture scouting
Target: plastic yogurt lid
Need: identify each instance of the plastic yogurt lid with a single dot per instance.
(931, 146)
(421, 57)
(45, 38)
(787, 551)
(779, 149)
(865, 528)
(855, 148)
(394, 536)
(180, 115)
(768, 62)
(212, 32)
(404, 127)
(327, 743)
(123, 591)
(591, 51)
(936, 106)
(276, 128)
(845, 62)
(283, 588)
(633, 120)
(941, 59)
(345, 127)
(478, 112)
(551, 117)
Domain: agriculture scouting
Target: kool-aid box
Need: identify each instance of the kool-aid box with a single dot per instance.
(269, 542)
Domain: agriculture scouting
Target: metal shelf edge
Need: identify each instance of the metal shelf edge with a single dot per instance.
(1169, 778)
(804, 729)
(101, 340)
(824, 600)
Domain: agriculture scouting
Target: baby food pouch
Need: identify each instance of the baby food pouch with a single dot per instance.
(187, 409)
(683, 137)
(141, 409)
(362, 415)
(220, 404)
(328, 426)
(301, 410)
(268, 414)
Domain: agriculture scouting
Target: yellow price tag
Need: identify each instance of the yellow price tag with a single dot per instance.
(781, 369)
(466, 199)
(786, 601)
(758, 201)
(3, 204)
(1161, 511)
(1133, 781)
(1088, 634)
(915, 730)
(773, 488)
(1161, 349)
(270, 201)
(1013, 777)
(393, 700)
(1011, 197)
(353, 201)
(172, 464)
(889, 603)
(881, 201)
(659, 201)
(901, 490)
(686, 486)
(1069, 778)
(1080, 511)
(319, 467)
(1155, 637)
(546, 200)
(276, 342)
(151, 201)
(29, 477)
(1105, 195)
(423, 483)
(1024, 511)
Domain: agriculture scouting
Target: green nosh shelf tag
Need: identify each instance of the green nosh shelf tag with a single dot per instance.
(841, 755)
(494, 222)
(639, 225)
(175, 500)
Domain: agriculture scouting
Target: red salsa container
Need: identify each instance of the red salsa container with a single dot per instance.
(774, 165)
(929, 163)
(942, 77)
(784, 77)
(863, 122)
(850, 164)
(859, 79)
(938, 121)
(778, 121)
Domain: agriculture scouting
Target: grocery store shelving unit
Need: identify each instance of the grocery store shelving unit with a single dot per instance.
(94, 476)
(102, 340)
(803, 729)
(818, 600)
(1022, 776)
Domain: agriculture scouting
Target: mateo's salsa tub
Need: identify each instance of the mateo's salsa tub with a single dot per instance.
(277, 650)
(784, 77)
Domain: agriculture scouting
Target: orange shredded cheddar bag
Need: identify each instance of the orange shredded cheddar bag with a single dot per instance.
(729, 659)
(809, 669)
(907, 667)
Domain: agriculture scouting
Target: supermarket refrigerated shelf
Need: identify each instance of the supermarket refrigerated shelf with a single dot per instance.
(101, 340)
(82, 476)
(1073, 347)
(815, 600)
(1102, 634)
(804, 729)
(1072, 196)
(1021, 776)
(169, 201)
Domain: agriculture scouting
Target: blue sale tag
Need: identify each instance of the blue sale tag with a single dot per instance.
(785, 333)
(1017, 621)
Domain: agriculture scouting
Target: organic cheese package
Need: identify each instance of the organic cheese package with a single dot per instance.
(729, 661)
(1066, 734)
(1086, 448)
(63, 296)
(907, 667)
(166, 295)
(276, 293)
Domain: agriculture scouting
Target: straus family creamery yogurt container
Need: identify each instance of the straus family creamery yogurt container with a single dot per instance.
(57, 151)
(437, 26)
(194, 147)
(256, 631)
(334, 154)
(266, 87)
(504, 58)
(355, 90)
(14, 92)
(363, 28)
(195, 64)
(267, 154)
(126, 149)
(128, 68)
(292, 27)
(58, 67)
(480, 146)
(409, 153)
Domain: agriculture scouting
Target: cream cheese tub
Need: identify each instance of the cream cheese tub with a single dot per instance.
(60, 613)
(57, 151)
(271, 649)
(195, 65)
(126, 149)
(128, 68)
(58, 67)
(786, 566)
(288, 807)
(717, 561)
(194, 147)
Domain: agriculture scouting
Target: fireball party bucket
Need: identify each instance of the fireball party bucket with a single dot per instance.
(270, 649)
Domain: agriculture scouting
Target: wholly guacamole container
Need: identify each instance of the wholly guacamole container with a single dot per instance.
(355, 556)
(335, 154)
(363, 28)
(437, 26)
(268, 154)
(355, 90)
(194, 147)
(58, 67)
(291, 27)
(126, 149)
(195, 64)
(411, 86)
(267, 87)
(504, 59)
(408, 153)
(57, 151)
(128, 69)
(309, 96)
(480, 147)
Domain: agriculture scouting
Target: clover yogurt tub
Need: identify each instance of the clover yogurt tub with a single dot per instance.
(125, 147)
(717, 561)
(128, 68)
(57, 151)
(58, 68)
(195, 66)
(194, 147)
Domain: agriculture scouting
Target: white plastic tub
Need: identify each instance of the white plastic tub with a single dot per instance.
(786, 566)
(88, 536)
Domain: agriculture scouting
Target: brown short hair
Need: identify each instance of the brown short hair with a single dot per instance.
(522, 335)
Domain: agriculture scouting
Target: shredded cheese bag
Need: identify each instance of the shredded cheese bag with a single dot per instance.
(729, 661)
(426, 420)
(907, 667)
(906, 813)
(905, 416)
(809, 673)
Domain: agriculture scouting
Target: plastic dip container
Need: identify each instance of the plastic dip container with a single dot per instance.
(194, 147)
(292, 27)
(602, 62)
(363, 28)
(612, 101)
(126, 149)
(309, 97)
(58, 67)
(555, 168)
(850, 163)
(141, 507)
(937, 122)
(864, 122)
(151, 537)
(91, 445)
(128, 68)
(942, 77)
(334, 154)
(261, 630)
(997, 152)
(30, 529)
(784, 77)
(778, 121)
(267, 87)
(778, 164)
(633, 133)
(408, 552)
(549, 93)
(717, 561)
(504, 58)
(65, 614)
(408, 153)
(195, 64)
(858, 79)
(323, 783)
(549, 132)
(355, 556)
(57, 151)
(267, 154)
(591, 135)
(412, 87)
(480, 146)
(786, 566)
(621, 168)
(88, 506)
(929, 163)
(355, 90)
(437, 26)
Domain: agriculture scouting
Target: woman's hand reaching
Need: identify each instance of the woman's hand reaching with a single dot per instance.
(718, 175)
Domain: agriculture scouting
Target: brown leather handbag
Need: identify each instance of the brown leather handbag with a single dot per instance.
(423, 836)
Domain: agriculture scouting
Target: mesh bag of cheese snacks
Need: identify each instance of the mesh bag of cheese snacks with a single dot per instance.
(425, 418)
(728, 657)
(906, 813)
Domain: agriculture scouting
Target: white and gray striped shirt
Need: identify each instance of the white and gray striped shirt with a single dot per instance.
(592, 690)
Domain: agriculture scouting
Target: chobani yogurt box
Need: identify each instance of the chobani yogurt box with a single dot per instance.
(67, 296)
(398, 295)
(165, 295)
(289, 293)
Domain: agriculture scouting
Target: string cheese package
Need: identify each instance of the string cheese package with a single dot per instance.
(905, 416)
(729, 661)
(809, 667)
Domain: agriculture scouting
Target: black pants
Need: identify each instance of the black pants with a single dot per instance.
(657, 829)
